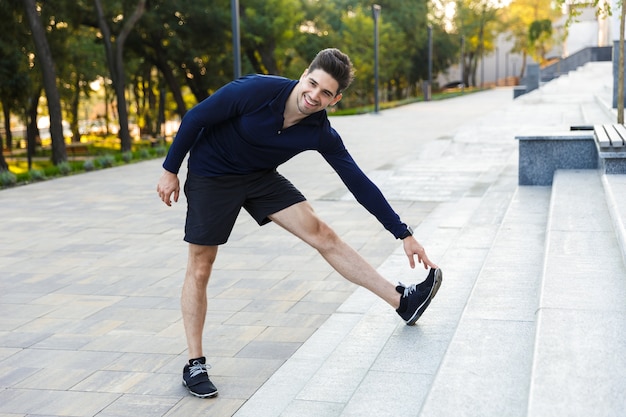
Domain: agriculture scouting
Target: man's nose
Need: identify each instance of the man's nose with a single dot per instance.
(315, 93)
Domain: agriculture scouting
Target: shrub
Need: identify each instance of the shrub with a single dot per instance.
(105, 161)
(37, 175)
(127, 157)
(89, 165)
(7, 178)
(64, 168)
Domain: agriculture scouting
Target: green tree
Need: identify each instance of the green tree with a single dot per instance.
(47, 65)
(14, 67)
(477, 23)
(114, 46)
(529, 23)
(268, 32)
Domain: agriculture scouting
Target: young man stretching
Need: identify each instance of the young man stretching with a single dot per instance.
(236, 139)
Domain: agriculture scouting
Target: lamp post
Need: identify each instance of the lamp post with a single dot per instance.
(462, 63)
(430, 63)
(497, 66)
(376, 14)
(234, 10)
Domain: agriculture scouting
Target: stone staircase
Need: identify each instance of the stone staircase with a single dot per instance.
(531, 318)
(542, 333)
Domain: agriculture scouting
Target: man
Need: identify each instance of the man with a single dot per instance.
(235, 139)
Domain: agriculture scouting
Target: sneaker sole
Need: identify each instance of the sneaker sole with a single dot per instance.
(433, 292)
(195, 394)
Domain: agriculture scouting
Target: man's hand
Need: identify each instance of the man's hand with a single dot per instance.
(168, 185)
(413, 248)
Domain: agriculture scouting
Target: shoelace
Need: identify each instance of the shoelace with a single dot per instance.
(197, 368)
(408, 290)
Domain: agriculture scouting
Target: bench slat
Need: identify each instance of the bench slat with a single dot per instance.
(614, 137)
(601, 136)
(621, 130)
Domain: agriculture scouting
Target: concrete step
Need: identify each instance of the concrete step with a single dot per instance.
(579, 365)
(486, 368)
(363, 360)
(615, 191)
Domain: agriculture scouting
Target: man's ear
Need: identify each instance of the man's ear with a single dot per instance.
(304, 73)
(336, 99)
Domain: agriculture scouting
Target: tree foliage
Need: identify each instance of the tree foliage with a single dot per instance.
(530, 25)
(157, 58)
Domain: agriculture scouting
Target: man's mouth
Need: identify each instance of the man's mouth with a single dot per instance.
(308, 102)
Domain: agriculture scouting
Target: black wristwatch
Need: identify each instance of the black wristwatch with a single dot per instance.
(407, 233)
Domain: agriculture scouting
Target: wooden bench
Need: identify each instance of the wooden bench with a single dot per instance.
(76, 149)
(610, 137)
(611, 142)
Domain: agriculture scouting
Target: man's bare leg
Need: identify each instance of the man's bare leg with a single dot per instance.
(194, 297)
(301, 220)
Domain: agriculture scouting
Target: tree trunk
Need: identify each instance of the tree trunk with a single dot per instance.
(115, 60)
(3, 163)
(32, 131)
(73, 116)
(7, 126)
(44, 56)
(170, 79)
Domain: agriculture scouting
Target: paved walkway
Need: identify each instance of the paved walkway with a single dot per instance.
(92, 267)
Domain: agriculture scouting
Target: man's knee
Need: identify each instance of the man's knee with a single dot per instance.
(201, 260)
(323, 237)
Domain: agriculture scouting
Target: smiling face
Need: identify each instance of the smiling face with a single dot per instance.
(316, 91)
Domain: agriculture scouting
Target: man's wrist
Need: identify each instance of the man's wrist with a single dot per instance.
(408, 232)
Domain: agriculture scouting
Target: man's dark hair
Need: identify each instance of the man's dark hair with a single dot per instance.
(335, 63)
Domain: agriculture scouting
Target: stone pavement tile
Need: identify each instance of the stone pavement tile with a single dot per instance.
(53, 379)
(239, 367)
(131, 405)
(289, 380)
(54, 403)
(276, 319)
(133, 342)
(286, 334)
(268, 350)
(11, 375)
(198, 407)
(121, 382)
(142, 362)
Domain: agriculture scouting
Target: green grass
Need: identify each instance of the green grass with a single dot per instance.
(102, 154)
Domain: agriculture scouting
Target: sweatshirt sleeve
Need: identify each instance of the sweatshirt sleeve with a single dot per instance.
(227, 102)
(363, 189)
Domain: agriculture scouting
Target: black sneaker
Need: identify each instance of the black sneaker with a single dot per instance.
(196, 379)
(417, 297)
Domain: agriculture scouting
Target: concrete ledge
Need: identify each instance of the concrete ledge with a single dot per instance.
(612, 162)
(540, 155)
(519, 90)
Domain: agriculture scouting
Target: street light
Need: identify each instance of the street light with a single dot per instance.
(430, 63)
(462, 63)
(376, 14)
(234, 11)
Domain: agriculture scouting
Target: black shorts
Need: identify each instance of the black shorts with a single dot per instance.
(214, 203)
